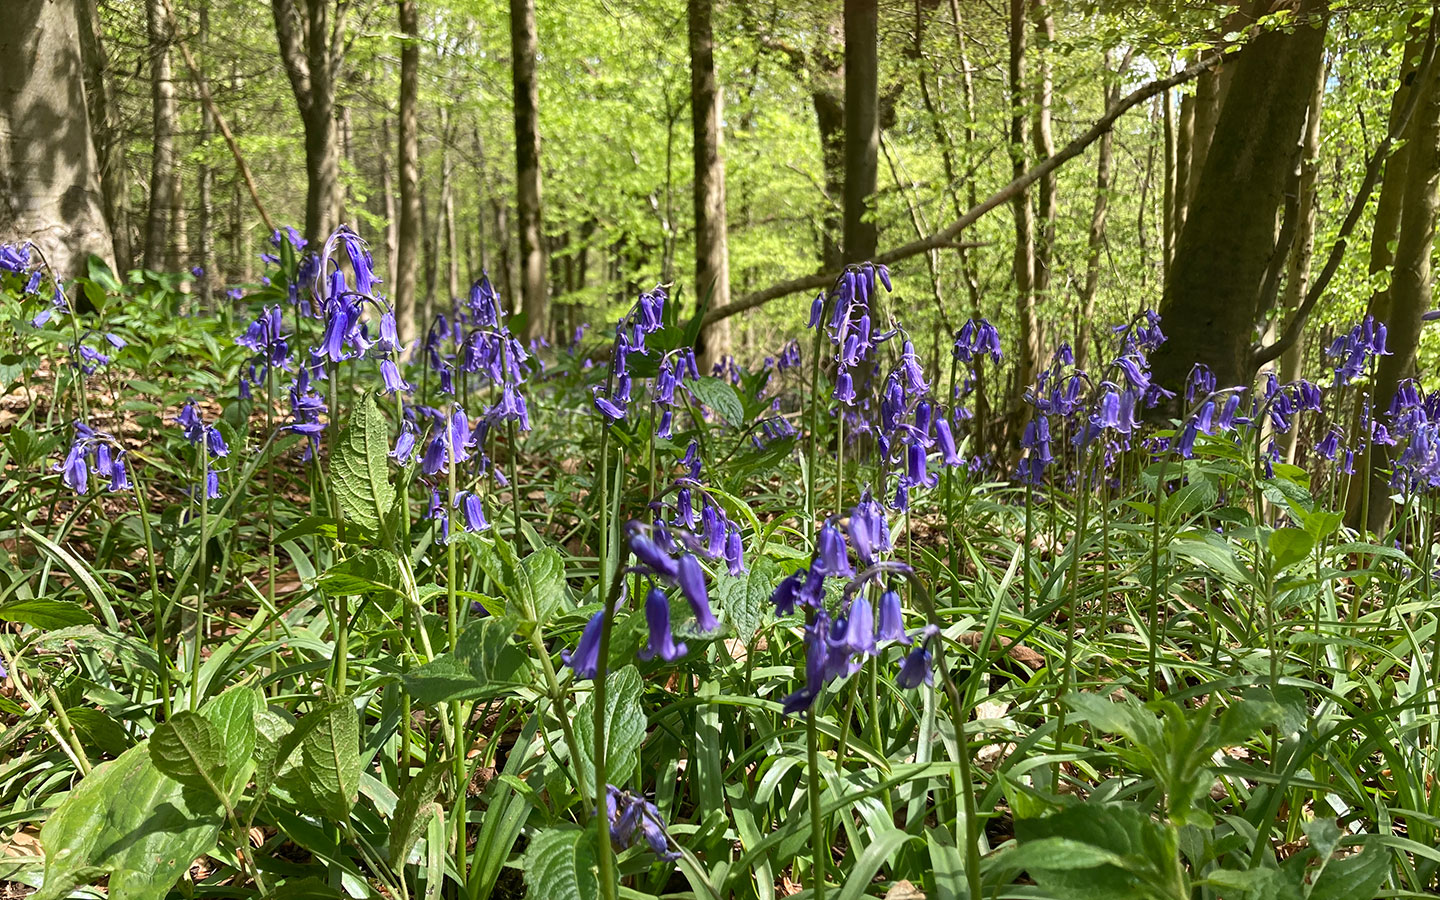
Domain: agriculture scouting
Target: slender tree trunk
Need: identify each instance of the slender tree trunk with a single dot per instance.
(49, 176)
(206, 186)
(178, 260)
(1211, 303)
(312, 49)
(1044, 138)
(862, 126)
(1180, 202)
(482, 192)
(1396, 179)
(1302, 251)
(830, 120)
(712, 263)
(387, 199)
(1028, 356)
(1410, 292)
(345, 136)
(407, 243)
(452, 251)
(105, 127)
(534, 300)
(501, 230)
(1167, 214)
(1104, 159)
(158, 226)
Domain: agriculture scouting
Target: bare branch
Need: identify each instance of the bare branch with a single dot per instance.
(947, 235)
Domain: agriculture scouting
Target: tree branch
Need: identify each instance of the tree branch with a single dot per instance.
(292, 54)
(1263, 355)
(947, 235)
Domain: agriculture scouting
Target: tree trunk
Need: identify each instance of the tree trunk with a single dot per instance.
(1028, 355)
(1211, 301)
(387, 200)
(534, 302)
(1395, 183)
(163, 113)
(452, 250)
(1167, 209)
(1410, 291)
(1180, 202)
(1044, 138)
(712, 265)
(205, 188)
(312, 48)
(407, 243)
(1302, 250)
(105, 128)
(862, 126)
(1096, 240)
(482, 192)
(49, 176)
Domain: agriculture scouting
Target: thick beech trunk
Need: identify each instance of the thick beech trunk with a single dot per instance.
(712, 265)
(862, 126)
(1104, 159)
(534, 301)
(312, 48)
(49, 176)
(1210, 307)
(1023, 263)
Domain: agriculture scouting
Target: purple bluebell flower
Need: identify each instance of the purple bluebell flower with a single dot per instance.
(916, 669)
(832, 556)
(662, 641)
(585, 661)
(691, 579)
(891, 625)
(474, 511)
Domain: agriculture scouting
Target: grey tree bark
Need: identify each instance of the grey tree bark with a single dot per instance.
(534, 301)
(105, 128)
(312, 48)
(1023, 262)
(49, 175)
(163, 160)
(1044, 139)
(712, 259)
(407, 243)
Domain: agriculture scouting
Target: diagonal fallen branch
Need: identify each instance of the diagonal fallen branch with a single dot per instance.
(946, 236)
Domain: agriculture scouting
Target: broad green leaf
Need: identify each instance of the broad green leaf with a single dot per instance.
(127, 820)
(1126, 852)
(45, 613)
(1358, 875)
(485, 663)
(233, 715)
(719, 397)
(360, 472)
(533, 588)
(367, 572)
(625, 723)
(743, 599)
(417, 804)
(560, 865)
(99, 730)
(271, 730)
(1058, 854)
(191, 750)
(1290, 545)
(330, 752)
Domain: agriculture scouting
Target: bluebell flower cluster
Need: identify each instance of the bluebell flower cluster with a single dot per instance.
(644, 318)
(93, 451)
(1352, 352)
(633, 820)
(265, 337)
(849, 326)
(837, 642)
(198, 433)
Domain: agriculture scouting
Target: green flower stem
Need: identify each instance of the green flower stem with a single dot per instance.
(200, 583)
(820, 844)
(1152, 617)
(602, 821)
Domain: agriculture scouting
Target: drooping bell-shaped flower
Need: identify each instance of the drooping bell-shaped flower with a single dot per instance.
(915, 670)
(585, 661)
(662, 641)
(891, 625)
(832, 556)
(860, 627)
(691, 578)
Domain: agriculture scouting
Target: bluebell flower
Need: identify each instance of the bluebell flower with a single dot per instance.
(832, 556)
(215, 442)
(651, 555)
(860, 627)
(585, 661)
(404, 443)
(691, 579)
(734, 551)
(212, 485)
(946, 440)
(390, 374)
(631, 817)
(474, 511)
(915, 670)
(788, 591)
(891, 625)
(662, 641)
